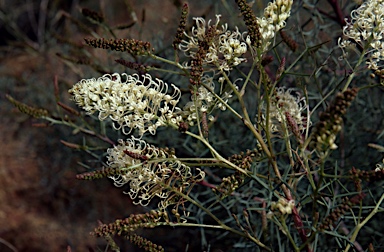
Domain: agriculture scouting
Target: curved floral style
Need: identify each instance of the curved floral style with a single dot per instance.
(152, 177)
(366, 29)
(131, 101)
(206, 102)
(226, 48)
(283, 104)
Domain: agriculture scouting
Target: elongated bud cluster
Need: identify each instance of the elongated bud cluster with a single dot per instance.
(26, 109)
(181, 28)
(132, 223)
(330, 124)
(251, 23)
(132, 46)
(347, 204)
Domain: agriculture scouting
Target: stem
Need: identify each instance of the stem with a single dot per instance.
(89, 132)
(217, 155)
(295, 214)
(361, 58)
(242, 91)
(282, 221)
(222, 101)
(246, 120)
(171, 62)
(222, 225)
(361, 224)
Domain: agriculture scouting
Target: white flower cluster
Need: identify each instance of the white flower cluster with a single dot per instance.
(380, 166)
(283, 102)
(131, 101)
(149, 177)
(282, 206)
(226, 49)
(366, 29)
(275, 15)
(205, 102)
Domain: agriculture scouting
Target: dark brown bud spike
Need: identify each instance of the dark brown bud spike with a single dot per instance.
(132, 46)
(26, 109)
(292, 44)
(135, 155)
(251, 23)
(181, 28)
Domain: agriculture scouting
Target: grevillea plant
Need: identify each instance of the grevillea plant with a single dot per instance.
(238, 133)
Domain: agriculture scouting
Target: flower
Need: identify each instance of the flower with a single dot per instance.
(275, 15)
(149, 173)
(281, 207)
(205, 101)
(379, 166)
(226, 48)
(131, 101)
(283, 104)
(366, 30)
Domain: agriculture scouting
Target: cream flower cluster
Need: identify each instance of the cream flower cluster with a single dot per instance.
(204, 102)
(150, 174)
(283, 102)
(275, 15)
(379, 166)
(130, 101)
(281, 207)
(366, 29)
(226, 49)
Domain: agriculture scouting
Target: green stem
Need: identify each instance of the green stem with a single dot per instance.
(361, 224)
(247, 80)
(216, 154)
(287, 233)
(361, 58)
(222, 225)
(86, 131)
(171, 62)
(246, 120)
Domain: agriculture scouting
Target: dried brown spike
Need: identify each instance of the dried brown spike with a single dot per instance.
(132, 46)
(370, 176)
(131, 223)
(105, 172)
(292, 44)
(251, 23)
(181, 28)
(331, 120)
(26, 109)
(204, 124)
(135, 155)
(146, 244)
(293, 127)
(197, 60)
(339, 211)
